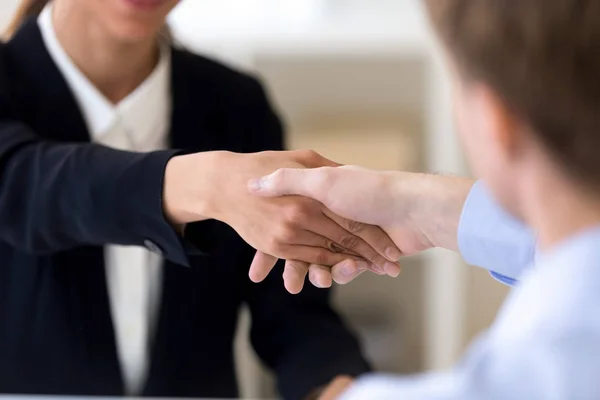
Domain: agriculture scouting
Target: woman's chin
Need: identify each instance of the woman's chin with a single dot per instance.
(135, 20)
(131, 32)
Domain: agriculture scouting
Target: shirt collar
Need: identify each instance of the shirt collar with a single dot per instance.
(584, 242)
(139, 111)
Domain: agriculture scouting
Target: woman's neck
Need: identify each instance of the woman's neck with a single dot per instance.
(114, 67)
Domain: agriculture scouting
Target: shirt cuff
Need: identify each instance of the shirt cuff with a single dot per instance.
(491, 238)
(504, 279)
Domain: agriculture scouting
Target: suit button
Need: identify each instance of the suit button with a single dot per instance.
(153, 247)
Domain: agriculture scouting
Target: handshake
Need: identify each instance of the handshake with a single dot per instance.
(327, 221)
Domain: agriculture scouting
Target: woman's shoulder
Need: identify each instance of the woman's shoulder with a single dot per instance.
(3, 55)
(4, 81)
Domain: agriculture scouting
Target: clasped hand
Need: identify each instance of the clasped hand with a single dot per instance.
(305, 233)
(310, 237)
(416, 211)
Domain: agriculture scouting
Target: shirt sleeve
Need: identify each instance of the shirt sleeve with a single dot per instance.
(491, 238)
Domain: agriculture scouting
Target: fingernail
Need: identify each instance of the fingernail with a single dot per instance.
(348, 270)
(256, 185)
(392, 269)
(393, 254)
(324, 284)
(377, 269)
(313, 279)
(362, 265)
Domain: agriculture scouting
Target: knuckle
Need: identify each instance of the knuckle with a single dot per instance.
(323, 178)
(297, 213)
(323, 258)
(273, 245)
(296, 265)
(374, 258)
(275, 177)
(310, 154)
(288, 234)
(350, 242)
(279, 175)
(355, 227)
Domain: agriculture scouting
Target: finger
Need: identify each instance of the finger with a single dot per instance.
(261, 266)
(320, 276)
(347, 271)
(336, 388)
(313, 240)
(294, 275)
(312, 159)
(287, 181)
(330, 229)
(307, 238)
(314, 255)
(375, 238)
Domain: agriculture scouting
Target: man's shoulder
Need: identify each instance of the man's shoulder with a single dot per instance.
(558, 296)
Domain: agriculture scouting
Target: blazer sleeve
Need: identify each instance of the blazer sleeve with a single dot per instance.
(300, 337)
(56, 196)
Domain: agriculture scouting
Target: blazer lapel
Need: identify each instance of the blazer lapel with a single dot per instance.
(193, 123)
(49, 106)
(46, 100)
(195, 118)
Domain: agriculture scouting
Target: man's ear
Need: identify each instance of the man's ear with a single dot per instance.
(502, 125)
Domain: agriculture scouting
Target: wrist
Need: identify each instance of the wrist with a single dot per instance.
(174, 201)
(188, 195)
(214, 177)
(437, 202)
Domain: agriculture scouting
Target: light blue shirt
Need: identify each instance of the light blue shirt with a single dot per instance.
(545, 343)
(490, 238)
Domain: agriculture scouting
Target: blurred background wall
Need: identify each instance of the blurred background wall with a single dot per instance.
(359, 81)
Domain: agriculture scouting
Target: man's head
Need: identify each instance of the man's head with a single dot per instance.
(527, 86)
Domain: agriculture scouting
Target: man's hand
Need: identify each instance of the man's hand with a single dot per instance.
(417, 211)
(336, 388)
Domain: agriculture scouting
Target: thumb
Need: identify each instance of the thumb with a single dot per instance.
(324, 162)
(285, 181)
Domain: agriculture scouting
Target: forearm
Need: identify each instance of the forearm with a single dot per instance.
(461, 215)
(56, 196)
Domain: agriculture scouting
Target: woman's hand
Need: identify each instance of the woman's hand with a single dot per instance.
(214, 185)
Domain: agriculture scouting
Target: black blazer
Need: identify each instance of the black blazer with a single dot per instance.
(62, 198)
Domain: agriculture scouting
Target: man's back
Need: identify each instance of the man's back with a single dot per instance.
(548, 332)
